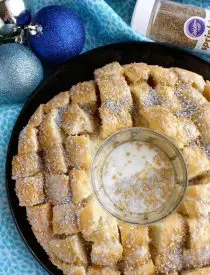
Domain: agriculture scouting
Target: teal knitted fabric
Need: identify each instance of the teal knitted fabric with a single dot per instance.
(105, 22)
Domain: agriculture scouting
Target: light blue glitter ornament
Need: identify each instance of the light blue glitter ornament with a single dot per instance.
(6, 29)
(59, 34)
(20, 73)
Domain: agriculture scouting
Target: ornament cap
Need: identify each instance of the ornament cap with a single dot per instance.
(34, 29)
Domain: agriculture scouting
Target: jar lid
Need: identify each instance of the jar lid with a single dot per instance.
(141, 15)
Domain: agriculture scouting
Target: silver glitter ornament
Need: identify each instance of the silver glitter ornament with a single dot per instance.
(20, 73)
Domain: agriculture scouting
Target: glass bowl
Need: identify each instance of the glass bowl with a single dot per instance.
(125, 198)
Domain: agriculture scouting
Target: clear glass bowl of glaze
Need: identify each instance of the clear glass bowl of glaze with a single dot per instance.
(139, 176)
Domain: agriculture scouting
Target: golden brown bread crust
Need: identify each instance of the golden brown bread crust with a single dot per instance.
(59, 101)
(76, 121)
(57, 188)
(64, 220)
(196, 168)
(37, 117)
(28, 141)
(52, 172)
(26, 165)
(80, 185)
(54, 159)
(84, 93)
(78, 150)
(49, 132)
(135, 242)
(30, 190)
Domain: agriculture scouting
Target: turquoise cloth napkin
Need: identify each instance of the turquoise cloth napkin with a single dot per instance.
(105, 22)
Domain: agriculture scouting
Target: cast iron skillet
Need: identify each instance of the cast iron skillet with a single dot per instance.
(76, 70)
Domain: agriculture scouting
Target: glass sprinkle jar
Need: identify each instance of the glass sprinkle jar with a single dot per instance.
(170, 22)
(106, 196)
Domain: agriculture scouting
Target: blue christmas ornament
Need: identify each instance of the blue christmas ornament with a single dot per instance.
(24, 18)
(20, 73)
(58, 34)
(6, 29)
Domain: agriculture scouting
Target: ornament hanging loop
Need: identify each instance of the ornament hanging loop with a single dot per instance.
(34, 29)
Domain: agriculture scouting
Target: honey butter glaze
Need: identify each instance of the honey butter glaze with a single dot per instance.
(138, 177)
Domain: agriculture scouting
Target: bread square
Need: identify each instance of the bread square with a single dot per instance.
(135, 240)
(40, 217)
(167, 97)
(196, 201)
(190, 97)
(78, 150)
(188, 130)
(57, 188)
(69, 250)
(193, 208)
(163, 76)
(30, 190)
(76, 121)
(106, 253)
(80, 185)
(194, 79)
(144, 95)
(199, 232)
(89, 218)
(169, 262)
(28, 141)
(196, 168)
(138, 256)
(49, 133)
(146, 269)
(133, 235)
(109, 70)
(112, 122)
(199, 192)
(202, 120)
(168, 234)
(162, 120)
(193, 258)
(84, 93)
(54, 160)
(59, 101)
(115, 90)
(37, 117)
(95, 224)
(136, 72)
(25, 165)
(64, 220)
(107, 230)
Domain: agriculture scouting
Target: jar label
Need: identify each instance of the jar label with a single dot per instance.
(198, 28)
(194, 27)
